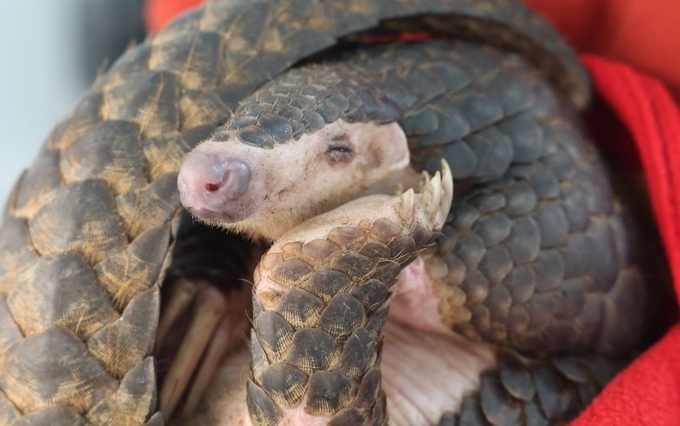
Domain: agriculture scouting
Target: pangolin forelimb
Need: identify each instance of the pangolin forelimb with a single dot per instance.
(321, 299)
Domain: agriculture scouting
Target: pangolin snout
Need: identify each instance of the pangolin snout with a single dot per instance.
(210, 186)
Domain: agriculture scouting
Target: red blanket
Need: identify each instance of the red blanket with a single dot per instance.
(648, 391)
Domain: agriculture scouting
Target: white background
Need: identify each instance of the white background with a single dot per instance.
(40, 78)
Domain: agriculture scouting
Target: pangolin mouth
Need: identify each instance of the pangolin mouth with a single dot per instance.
(212, 216)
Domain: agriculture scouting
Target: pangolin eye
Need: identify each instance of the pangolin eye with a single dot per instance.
(340, 150)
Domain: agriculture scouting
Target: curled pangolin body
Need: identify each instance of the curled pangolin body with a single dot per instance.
(86, 237)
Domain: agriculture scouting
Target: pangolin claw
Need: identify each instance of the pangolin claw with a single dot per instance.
(405, 207)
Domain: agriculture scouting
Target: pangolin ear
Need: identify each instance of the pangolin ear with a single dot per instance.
(387, 151)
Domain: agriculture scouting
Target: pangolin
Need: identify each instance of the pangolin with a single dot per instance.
(323, 147)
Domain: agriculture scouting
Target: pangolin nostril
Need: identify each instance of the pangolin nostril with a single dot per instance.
(212, 175)
(236, 178)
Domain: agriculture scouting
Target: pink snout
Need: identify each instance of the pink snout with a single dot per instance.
(211, 186)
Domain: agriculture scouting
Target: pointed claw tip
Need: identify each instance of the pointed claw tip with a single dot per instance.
(437, 179)
(432, 194)
(447, 177)
(447, 185)
(432, 181)
(425, 181)
(407, 197)
(405, 207)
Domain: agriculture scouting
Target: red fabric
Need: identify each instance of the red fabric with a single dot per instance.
(646, 134)
(643, 33)
(648, 391)
(159, 12)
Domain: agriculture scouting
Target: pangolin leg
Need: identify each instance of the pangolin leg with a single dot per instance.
(321, 301)
(210, 308)
(217, 324)
(179, 302)
(230, 333)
